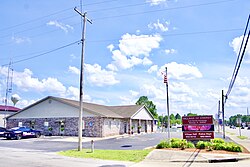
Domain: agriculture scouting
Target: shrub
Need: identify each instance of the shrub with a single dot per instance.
(233, 147)
(175, 140)
(190, 145)
(219, 146)
(183, 144)
(217, 140)
(202, 144)
(163, 144)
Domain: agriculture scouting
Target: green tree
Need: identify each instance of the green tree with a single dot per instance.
(143, 100)
(191, 114)
(177, 116)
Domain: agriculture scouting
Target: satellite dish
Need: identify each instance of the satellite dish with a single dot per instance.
(15, 98)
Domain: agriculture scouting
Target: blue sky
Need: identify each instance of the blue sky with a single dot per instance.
(128, 45)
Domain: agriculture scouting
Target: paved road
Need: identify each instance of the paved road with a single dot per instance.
(11, 157)
(135, 142)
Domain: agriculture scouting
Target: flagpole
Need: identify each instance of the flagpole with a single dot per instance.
(167, 108)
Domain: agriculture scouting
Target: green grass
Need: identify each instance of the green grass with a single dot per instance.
(230, 133)
(242, 137)
(119, 155)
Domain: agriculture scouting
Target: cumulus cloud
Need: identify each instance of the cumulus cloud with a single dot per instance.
(62, 26)
(100, 77)
(181, 71)
(19, 40)
(236, 43)
(170, 51)
(74, 70)
(153, 68)
(159, 26)
(26, 82)
(133, 50)
(156, 2)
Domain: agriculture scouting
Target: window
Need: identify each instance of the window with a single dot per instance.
(20, 124)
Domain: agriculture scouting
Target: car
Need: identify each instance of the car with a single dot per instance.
(248, 128)
(21, 132)
(2, 131)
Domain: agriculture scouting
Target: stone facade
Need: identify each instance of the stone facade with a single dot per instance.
(92, 126)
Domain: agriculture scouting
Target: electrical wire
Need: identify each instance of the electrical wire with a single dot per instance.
(44, 53)
(239, 60)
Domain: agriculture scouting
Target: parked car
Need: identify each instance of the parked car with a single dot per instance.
(2, 130)
(248, 128)
(21, 132)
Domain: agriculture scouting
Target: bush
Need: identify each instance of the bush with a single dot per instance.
(217, 140)
(233, 147)
(202, 144)
(190, 145)
(219, 146)
(175, 140)
(163, 144)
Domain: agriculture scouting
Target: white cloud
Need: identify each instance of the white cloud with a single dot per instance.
(137, 45)
(20, 40)
(153, 68)
(133, 50)
(64, 27)
(181, 71)
(236, 43)
(170, 51)
(181, 87)
(74, 70)
(133, 93)
(159, 26)
(100, 77)
(156, 2)
(27, 83)
(110, 47)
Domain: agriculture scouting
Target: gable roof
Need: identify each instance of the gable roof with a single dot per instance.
(101, 110)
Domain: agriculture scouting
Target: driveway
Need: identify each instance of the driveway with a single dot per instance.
(56, 143)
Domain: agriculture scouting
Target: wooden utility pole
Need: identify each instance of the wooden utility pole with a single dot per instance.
(167, 99)
(84, 15)
(223, 115)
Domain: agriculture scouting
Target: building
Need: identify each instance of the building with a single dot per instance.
(58, 116)
(6, 111)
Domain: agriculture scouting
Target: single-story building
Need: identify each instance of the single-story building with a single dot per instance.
(59, 116)
(6, 111)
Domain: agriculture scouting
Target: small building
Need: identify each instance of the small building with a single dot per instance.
(6, 111)
(59, 116)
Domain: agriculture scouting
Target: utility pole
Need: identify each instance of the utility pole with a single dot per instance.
(166, 81)
(219, 116)
(84, 15)
(223, 115)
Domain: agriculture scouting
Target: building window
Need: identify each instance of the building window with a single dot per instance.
(83, 124)
(46, 124)
(20, 124)
(109, 124)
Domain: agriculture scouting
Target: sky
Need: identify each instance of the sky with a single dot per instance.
(127, 47)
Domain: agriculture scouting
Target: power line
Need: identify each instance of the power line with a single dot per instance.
(176, 34)
(55, 13)
(44, 53)
(125, 6)
(161, 10)
(239, 59)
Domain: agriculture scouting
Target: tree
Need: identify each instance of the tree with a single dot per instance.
(191, 114)
(177, 116)
(143, 100)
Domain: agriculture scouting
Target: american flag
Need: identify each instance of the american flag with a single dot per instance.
(165, 77)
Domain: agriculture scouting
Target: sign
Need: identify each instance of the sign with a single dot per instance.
(196, 120)
(198, 135)
(198, 128)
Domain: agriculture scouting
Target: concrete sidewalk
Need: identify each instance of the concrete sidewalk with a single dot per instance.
(243, 142)
(160, 157)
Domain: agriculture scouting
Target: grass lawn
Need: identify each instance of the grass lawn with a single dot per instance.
(120, 155)
(242, 137)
